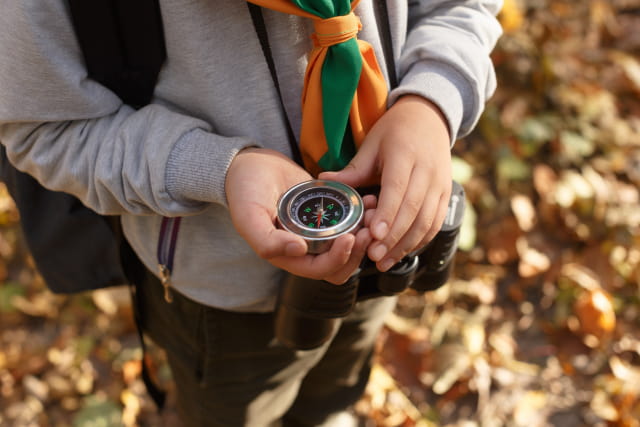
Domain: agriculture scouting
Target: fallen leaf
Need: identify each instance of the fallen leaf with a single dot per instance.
(511, 16)
(595, 313)
(581, 276)
(98, 411)
(533, 261)
(8, 293)
(132, 407)
(112, 300)
(453, 363)
(524, 211)
(468, 231)
(528, 409)
(131, 370)
(602, 406)
(630, 67)
(544, 179)
(627, 373)
(461, 170)
(512, 168)
(500, 241)
(576, 146)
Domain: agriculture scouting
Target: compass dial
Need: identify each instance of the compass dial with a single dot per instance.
(320, 211)
(320, 208)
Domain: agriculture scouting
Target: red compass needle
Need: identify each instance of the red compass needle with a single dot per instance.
(320, 212)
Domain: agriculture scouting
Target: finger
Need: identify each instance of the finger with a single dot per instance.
(256, 225)
(438, 221)
(361, 171)
(370, 201)
(368, 216)
(363, 238)
(412, 239)
(393, 186)
(420, 234)
(441, 213)
(322, 265)
(412, 212)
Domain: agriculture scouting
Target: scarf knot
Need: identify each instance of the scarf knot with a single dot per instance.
(335, 30)
(344, 90)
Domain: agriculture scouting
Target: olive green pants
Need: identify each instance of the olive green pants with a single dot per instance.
(229, 369)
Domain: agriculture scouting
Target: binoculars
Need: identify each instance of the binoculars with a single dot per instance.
(307, 310)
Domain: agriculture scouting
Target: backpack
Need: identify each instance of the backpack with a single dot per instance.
(74, 248)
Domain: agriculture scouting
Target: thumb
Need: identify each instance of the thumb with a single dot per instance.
(257, 228)
(361, 171)
(278, 243)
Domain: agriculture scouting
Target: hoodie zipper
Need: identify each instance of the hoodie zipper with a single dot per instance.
(166, 252)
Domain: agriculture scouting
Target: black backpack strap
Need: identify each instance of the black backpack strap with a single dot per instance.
(123, 45)
(122, 42)
(261, 31)
(382, 18)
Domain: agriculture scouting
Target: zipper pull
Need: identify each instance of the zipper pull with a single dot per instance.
(165, 279)
(166, 251)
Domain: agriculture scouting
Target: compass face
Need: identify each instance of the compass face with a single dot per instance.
(320, 208)
(320, 211)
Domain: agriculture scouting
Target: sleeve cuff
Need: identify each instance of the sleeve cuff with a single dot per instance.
(442, 85)
(197, 166)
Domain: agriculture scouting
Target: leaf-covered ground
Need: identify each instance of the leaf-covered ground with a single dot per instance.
(540, 322)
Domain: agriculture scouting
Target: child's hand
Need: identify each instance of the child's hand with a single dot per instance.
(255, 180)
(408, 153)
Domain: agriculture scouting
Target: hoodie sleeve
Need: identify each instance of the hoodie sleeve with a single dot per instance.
(446, 58)
(76, 136)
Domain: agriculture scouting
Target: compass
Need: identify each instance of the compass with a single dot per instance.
(320, 211)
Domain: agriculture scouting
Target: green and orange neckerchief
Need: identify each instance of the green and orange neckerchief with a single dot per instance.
(344, 90)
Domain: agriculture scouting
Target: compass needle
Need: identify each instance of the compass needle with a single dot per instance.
(320, 212)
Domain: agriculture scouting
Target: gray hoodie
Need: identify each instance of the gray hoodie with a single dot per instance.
(214, 97)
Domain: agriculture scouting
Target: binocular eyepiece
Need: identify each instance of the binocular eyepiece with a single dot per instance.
(307, 309)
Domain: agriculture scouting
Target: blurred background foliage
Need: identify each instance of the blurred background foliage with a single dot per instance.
(539, 324)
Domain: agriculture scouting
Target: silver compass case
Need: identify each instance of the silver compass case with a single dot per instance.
(320, 211)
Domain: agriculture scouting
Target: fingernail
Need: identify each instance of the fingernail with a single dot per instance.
(380, 230)
(378, 252)
(387, 264)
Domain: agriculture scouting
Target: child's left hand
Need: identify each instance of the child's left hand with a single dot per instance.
(408, 153)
